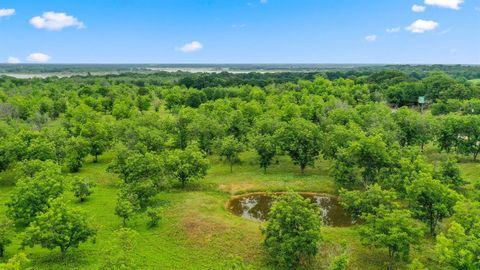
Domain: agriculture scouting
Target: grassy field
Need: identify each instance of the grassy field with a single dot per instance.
(196, 231)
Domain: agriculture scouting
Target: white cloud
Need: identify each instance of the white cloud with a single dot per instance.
(55, 21)
(5, 12)
(38, 57)
(371, 38)
(418, 8)
(13, 60)
(393, 30)
(191, 47)
(452, 4)
(422, 26)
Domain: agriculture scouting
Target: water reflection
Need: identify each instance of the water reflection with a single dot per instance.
(256, 207)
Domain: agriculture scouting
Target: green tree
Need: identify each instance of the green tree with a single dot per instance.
(187, 165)
(154, 216)
(414, 128)
(300, 139)
(457, 249)
(142, 174)
(340, 262)
(122, 108)
(205, 130)
(82, 188)
(17, 262)
(97, 136)
(430, 200)
(118, 254)
(362, 161)
(76, 150)
(264, 141)
(59, 227)
(338, 137)
(449, 174)
(469, 137)
(394, 230)
(32, 194)
(127, 205)
(292, 231)
(467, 214)
(230, 148)
(266, 147)
(358, 203)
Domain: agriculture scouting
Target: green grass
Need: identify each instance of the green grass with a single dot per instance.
(196, 231)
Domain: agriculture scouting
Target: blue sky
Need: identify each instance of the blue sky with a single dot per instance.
(240, 31)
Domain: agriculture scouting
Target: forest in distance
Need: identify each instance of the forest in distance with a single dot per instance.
(140, 169)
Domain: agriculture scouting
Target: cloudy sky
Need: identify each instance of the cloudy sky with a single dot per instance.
(240, 31)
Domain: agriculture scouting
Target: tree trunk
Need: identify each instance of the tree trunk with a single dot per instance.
(391, 256)
(63, 251)
(231, 166)
(302, 168)
(96, 158)
(432, 221)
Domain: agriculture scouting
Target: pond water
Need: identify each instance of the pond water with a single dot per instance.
(256, 206)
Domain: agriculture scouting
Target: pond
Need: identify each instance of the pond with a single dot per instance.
(255, 206)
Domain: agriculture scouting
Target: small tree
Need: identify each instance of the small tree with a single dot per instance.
(59, 227)
(340, 262)
(82, 188)
(154, 216)
(394, 230)
(292, 231)
(126, 206)
(17, 262)
(4, 236)
(187, 165)
(300, 139)
(430, 200)
(118, 255)
(230, 148)
(266, 148)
